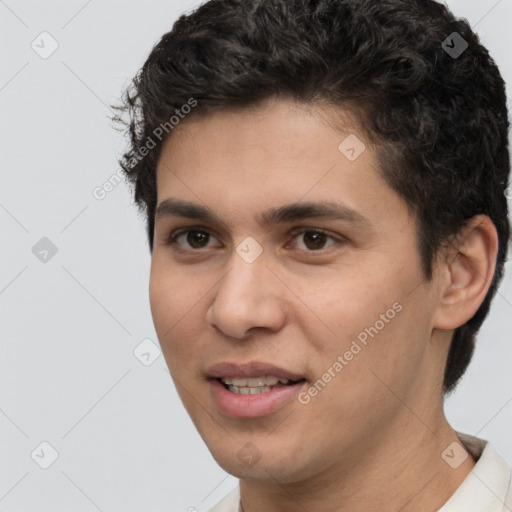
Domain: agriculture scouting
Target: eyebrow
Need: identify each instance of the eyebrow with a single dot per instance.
(274, 216)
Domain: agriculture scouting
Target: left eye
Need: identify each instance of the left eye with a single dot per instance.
(313, 240)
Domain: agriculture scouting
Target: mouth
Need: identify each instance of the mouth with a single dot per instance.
(252, 390)
(255, 385)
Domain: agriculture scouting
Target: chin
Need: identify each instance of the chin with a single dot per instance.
(269, 463)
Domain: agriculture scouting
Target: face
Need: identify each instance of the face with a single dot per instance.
(286, 291)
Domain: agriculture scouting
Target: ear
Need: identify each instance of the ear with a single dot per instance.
(466, 272)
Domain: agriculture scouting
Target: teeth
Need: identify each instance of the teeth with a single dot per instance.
(248, 391)
(255, 382)
(254, 385)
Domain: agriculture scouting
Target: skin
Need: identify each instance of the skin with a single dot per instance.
(373, 437)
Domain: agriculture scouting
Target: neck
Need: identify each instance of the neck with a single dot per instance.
(393, 472)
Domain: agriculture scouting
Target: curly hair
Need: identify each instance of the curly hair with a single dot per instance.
(439, 119)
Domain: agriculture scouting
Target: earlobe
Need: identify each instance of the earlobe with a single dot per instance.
(467, 273)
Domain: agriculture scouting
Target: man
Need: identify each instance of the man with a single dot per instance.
(324, 185)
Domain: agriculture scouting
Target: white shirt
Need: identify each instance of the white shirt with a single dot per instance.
(487, 488)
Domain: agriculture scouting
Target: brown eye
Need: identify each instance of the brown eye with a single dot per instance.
(192, 239)
(314, 240)
(197, 239)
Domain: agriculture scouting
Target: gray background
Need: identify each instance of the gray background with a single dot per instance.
(70, 324)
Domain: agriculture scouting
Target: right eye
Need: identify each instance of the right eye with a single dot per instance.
(195, 238)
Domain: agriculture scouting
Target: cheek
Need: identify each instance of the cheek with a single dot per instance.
(369, 316)
(160, 299)
(171, 295)
(168, 302)
(346, 305)
(177, 302)
(390, 348)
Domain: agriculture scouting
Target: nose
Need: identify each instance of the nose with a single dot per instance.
(248, 298)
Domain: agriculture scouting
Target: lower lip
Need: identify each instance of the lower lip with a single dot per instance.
(252, 406)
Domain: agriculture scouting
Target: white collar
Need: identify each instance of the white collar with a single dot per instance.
(487, 488)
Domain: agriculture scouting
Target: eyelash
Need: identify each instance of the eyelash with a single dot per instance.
(296, 233)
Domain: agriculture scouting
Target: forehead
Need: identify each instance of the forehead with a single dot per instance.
(278, 140)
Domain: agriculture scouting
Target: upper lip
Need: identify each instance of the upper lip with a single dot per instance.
(248, 370)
